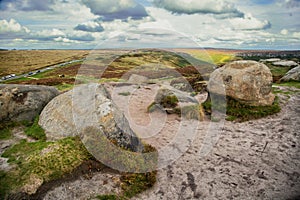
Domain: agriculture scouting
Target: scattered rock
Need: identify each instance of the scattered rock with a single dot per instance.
(174, 101)
(24, 102)
(270, 60)
(292, 75)
(249, 82)
(285, 63)
(170, 91)
(181, 84)
(137, 79)
(87, 106)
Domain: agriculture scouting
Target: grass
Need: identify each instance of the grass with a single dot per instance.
(35, 131)
(64, 87)
(23, 61)
(214, 56)
(124, 93)
(240, 112)
(44, 160)
(290, 84)
(107, 197)
(278, 70)
(169, 101)
(133, 184)
(152, 107)
(5, 130)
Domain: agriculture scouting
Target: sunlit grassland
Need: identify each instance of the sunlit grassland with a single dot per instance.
(214, 56)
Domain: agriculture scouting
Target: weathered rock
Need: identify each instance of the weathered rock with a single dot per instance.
(181, 84)
(285, 63)
(182, 97)
(248, 82)
(23, 102)
(292, 75)
(86, 106)
(137, 79)
(270, 60)
(174, 101)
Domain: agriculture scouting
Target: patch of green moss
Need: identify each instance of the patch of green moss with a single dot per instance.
(35, 131)
(124, 93)
(152, 107)
(5, 129)
(107, 197)
(169, 101)
(238, 111)
(64, 87)
(45, 160)
(133, 184)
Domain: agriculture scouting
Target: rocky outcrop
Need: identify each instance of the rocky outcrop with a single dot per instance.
(174, 101)
(285, 63)
(71, 113)
(292, 75)
(181, 84)
(23, 102)
(182, 97)
(248, 82)
(137, 79)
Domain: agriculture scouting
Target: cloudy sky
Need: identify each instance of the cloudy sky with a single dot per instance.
(88, 24)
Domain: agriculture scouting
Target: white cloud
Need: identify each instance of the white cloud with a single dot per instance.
(296, 35)
(196, 6)
(248, 22)
(81, 36)
(12, 26)
(90, 26)
(116, 9)
(50, 33)
(18, 40)
(284, 32)
(65, 40)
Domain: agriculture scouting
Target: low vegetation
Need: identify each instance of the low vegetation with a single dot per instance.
(35, 131)
(214, 56)
(237, 111)
(39, 162)
(42, 160)
(23, 61)
(294, 84)
(5, 130)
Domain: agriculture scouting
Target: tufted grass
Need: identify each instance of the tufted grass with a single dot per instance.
(45, 160)
(35, 131)
(237, 111)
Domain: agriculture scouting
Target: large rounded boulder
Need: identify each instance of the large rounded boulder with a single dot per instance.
(249, 82)
(23, 102)
(85, 107)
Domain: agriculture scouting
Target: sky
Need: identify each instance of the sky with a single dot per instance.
(90, 24)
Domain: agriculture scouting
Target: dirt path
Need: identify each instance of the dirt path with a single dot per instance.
(253, 160)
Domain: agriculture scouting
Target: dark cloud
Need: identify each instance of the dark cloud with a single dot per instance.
(89, 27)
(29, 5)
(84, 38)
(293, 3)
(116, 9)
(218, 7)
